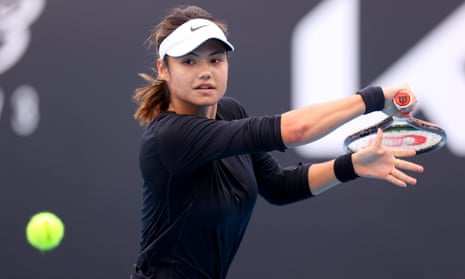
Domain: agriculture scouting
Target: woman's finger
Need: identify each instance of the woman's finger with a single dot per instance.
(406, 165)
(378, 139)
(404, 152)
(392, 179)
(402, 176)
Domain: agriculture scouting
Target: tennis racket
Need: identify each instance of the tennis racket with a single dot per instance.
(400, 132)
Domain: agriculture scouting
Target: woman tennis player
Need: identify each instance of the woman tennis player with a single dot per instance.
(204, 160)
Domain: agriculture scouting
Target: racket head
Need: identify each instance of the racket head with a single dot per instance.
(401, 133)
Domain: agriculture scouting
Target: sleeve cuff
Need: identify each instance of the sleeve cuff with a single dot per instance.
(373, 97)
(344, 169)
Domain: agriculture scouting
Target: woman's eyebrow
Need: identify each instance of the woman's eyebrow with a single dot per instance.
(218, 52)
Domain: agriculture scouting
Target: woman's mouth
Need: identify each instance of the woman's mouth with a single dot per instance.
(205, 87)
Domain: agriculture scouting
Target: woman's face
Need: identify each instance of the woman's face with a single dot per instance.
(198, 79)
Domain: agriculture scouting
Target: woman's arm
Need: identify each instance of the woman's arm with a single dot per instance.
(310, 123)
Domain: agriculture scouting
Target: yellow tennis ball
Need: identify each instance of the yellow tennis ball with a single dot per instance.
(45, 231)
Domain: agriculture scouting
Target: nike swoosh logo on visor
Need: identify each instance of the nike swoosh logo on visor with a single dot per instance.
(198, 27)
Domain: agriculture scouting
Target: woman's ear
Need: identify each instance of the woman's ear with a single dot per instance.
(162, 70)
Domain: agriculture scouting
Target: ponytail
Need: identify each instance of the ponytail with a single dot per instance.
(152, 99)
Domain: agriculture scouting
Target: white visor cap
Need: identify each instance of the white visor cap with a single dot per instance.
(189, 36)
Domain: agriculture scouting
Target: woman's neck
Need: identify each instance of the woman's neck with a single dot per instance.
(205, 111)
(208, 111)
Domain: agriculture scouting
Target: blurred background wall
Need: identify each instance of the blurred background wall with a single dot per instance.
(69, 144)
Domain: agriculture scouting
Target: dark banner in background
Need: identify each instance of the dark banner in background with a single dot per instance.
(69, 144)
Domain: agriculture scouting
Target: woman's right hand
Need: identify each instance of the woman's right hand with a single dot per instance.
(390, 92)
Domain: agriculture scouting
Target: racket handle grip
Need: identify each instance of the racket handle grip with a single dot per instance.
(403, 101)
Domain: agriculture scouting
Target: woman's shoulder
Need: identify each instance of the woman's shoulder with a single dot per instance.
(230, 108)
(229, 100)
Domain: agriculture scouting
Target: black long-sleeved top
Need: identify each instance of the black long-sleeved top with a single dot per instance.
(201, 179)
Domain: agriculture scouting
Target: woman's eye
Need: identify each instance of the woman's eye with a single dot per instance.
(189, 61)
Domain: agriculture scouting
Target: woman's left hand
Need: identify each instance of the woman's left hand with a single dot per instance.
(378, 161)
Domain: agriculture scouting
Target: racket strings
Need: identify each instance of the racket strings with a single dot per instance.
(415, 134)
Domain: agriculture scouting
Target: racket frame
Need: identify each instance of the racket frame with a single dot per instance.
(397, 123)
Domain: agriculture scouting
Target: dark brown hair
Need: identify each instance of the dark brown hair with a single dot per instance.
(154, 98)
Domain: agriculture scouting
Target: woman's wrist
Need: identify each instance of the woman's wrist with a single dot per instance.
(373, 97)
(344, 168)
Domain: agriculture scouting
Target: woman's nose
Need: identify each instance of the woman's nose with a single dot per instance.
(205, 76)
(205, 72)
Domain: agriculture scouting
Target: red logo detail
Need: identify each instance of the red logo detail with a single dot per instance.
(402, 99)
(405, 140)
(398, 141)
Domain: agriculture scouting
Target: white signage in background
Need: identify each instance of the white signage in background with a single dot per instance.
(326, 66)
(25, 116)
(16, 16)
